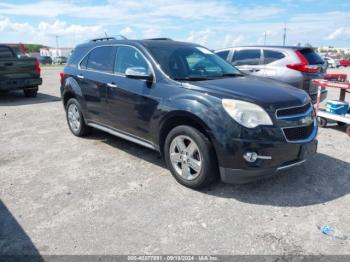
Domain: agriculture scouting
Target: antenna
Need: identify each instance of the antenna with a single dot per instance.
(106, 34)
(284, 34)
(265, 38)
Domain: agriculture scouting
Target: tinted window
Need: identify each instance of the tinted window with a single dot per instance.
(197, 62)
(5, 52)
(246, 57)
(223, 54)
(191, 63)
(272, 56)
(102, 59)
(129, 57)
(83, 63)
(76, 55)
(312, 57)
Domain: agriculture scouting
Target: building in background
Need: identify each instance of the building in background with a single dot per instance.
(336, 52)
(55, 52)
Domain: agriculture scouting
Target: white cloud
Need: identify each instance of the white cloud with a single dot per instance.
(120, 11)
(233, 40)
(200, 37)
(152, 33)
(341, 32)
(45, 31)
(215, 23)
(6, 25)
(64, 29)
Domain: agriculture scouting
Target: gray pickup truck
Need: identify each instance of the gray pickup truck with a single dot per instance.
(18, 73)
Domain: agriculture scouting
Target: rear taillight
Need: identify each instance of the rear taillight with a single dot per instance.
(37, 67)
(303, 66)
(61, 77)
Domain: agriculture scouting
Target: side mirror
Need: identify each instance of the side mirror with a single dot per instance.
(138, 73)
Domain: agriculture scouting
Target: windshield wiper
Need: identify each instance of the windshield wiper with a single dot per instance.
(193, 78)
(230, 75)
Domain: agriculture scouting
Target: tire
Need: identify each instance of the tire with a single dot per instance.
(322, 122)
(348, 130)
(75, 119)
(30, 92)
(196, 167)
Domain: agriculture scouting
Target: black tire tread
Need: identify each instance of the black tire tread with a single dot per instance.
(84, 129)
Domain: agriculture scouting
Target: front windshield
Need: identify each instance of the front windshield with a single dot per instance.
(191, 63)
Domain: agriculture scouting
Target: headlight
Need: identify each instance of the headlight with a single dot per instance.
(247, 114)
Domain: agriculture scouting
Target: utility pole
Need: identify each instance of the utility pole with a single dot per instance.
(284, 34)
(265, 38)
(57, 45)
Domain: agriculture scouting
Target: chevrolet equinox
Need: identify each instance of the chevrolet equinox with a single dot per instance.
(202, 114)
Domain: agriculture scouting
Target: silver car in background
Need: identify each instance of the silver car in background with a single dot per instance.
(293, 65)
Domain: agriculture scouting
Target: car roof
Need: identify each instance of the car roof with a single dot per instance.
(270, 46)
(157, 42)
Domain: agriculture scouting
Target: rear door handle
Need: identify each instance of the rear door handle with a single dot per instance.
(80, 76)
(112, 85)
(8, 64)
(254, 70)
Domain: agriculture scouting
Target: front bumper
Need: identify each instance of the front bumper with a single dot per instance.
(282, 159)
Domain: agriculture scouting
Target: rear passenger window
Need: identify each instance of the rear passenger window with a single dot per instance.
(223, 54)
(246, 57)
(101, 59)
(272, 56)
(5, 52)
(83, 63)
(129, 57)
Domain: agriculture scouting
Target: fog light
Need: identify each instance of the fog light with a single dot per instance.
(251, 157)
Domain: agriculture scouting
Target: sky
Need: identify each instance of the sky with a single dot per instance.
(212, 23)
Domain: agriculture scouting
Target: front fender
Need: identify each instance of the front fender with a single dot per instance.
(201, 109)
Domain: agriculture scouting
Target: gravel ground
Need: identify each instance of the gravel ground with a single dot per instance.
(61, 194)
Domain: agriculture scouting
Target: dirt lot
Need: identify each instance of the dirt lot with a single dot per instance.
(61, 194)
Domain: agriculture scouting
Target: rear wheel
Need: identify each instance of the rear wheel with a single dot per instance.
(75, 119)
(190, 157)
(30, 92)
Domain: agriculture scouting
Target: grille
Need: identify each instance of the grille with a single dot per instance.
(293, 111)
(298, 133)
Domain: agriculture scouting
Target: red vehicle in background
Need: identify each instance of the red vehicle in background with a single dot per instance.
(344, 62)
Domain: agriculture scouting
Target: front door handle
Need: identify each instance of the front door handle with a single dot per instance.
(112, 85)
(80, 76)
(254, 70)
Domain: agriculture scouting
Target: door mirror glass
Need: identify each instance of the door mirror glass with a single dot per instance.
(138, 73)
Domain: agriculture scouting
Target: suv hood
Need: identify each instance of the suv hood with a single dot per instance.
(267, 93)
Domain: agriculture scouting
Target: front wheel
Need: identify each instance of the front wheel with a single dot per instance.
(190, 157)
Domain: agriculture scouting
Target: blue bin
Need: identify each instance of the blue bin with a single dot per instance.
(337, 107)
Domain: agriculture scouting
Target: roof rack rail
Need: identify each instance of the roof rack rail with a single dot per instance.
(160, 38)
(108, 38)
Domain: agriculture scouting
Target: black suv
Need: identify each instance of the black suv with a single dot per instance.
(200, 112)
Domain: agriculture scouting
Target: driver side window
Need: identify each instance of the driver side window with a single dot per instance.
(129, 57)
